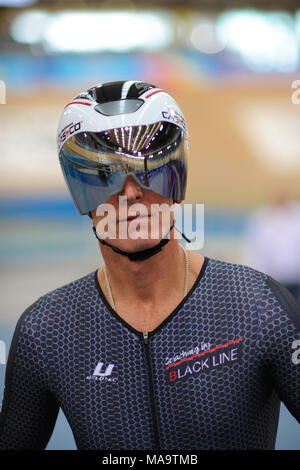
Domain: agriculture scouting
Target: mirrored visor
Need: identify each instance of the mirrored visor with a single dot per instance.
(96, 165)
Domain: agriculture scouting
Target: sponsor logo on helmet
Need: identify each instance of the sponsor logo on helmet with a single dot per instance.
(172, 115)
(67, 131)
(142, 87)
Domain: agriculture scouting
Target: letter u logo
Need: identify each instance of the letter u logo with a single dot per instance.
(99, 367)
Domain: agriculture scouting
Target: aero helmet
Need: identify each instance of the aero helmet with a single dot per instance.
(117, 129)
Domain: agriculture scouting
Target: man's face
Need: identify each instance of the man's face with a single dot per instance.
(135, 219)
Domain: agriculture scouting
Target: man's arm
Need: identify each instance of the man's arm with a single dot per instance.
(280, 342)
(28, 411)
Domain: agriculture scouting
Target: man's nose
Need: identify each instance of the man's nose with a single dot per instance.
(131, 189)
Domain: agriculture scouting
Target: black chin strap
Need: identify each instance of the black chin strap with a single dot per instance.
(143, 254)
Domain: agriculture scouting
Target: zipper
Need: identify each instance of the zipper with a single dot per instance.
(153, 408)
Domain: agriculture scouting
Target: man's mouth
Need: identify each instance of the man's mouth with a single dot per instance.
(132, 217)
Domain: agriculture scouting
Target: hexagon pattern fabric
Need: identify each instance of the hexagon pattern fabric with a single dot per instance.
(210, 377)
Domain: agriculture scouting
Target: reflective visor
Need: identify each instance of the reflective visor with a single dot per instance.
(96, 165)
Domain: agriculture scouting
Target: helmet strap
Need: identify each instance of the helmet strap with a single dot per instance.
(138, 255)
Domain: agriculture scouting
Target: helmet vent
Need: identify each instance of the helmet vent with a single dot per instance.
(114, 108)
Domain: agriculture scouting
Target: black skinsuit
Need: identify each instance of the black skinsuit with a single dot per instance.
(211, 376)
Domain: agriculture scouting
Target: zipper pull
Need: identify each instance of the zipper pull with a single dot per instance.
(145, 335)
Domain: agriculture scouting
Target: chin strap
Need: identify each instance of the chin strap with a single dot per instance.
(143, 254)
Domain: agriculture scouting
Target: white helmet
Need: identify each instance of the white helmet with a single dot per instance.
(117, 129)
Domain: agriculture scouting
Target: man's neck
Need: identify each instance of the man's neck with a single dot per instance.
(148, 281)
(146, 292)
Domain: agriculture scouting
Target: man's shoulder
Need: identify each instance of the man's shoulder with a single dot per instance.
(77, 288)
(238, 283)
(59, 303)
(235, 273)
(274, 302)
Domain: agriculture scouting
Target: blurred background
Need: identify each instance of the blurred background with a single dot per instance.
(233, 67)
